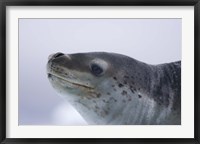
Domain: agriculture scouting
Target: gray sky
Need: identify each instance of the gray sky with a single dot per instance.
(153, 41)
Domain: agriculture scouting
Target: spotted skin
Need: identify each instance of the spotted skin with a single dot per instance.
(119, 90)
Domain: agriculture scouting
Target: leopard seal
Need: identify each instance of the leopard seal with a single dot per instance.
(114, 89)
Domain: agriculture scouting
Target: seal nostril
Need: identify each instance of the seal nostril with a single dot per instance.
(58, 55)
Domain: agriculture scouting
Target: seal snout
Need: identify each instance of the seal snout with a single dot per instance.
(57, 55)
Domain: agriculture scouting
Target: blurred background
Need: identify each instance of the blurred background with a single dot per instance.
(153, 41)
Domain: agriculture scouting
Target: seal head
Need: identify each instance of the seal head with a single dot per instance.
(109, 88)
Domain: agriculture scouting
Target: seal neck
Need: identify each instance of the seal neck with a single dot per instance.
(166, 83)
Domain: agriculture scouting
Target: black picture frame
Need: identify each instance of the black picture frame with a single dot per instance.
(5, 3)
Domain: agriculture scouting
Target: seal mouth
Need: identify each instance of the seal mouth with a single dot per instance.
(68, 81)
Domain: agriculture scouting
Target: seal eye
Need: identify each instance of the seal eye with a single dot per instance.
(96, 70)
